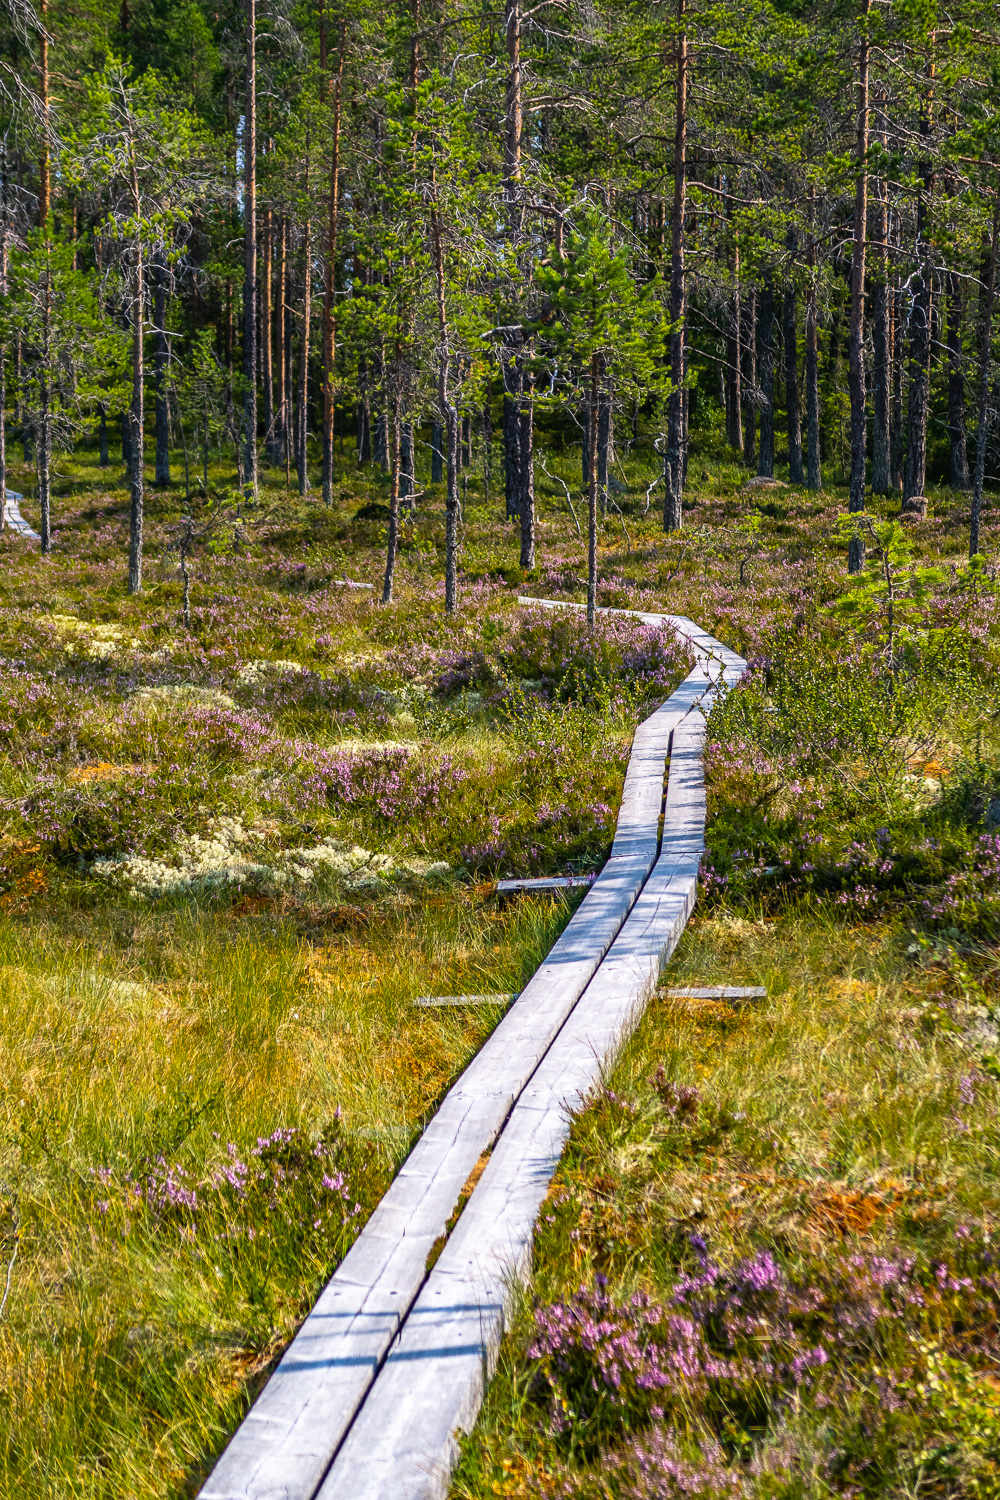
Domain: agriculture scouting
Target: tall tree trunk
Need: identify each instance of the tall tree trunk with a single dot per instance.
(302, 454)
(43, 441)
(765, 459)
(915, 467)
(449, 418)
(896, 436)
(160, 353)
(250, 259)
(750, 375)
(982, 431)
(329, 287)
(882, 362)
(526, 498)
(392, 536)
(513, 363)
(437, 452)
(592, 420)
(266, 337)
(734, 356)
(136, 420)
(859, 446)
(795, 473)
(956, 387)
(814, 474)
(281, 348)
(103, 454)
(44, 161)
(673, 465)
(406, 468)
(3, 348)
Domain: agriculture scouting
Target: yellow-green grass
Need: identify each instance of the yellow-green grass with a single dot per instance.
(847, 1126)
(130, 1344)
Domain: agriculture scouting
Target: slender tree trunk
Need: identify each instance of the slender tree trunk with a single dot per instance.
(982, 429)
(160, 353)
(303, 413)
(513, 375)
(266, 344)
(43, 440)
(859, 445)
(3, 348)
(734, 355)
(750, 375)
(605, 445)
(103, 454)
(449, 419)
(392, 537)
(526, 499)
(765, 459)
(956, 387)
(250, 259)
(329, 316)
(673, 466)
(592, 419)
(44, 162)
(814, 476)
(915, 467)
(882, 362)
(406, 468)
(437, 452)
(135, 426)
(513, 364)
(281, 342)
(896, 438)
(795, 472)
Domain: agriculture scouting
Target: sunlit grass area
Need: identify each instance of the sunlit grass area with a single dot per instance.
(765, 1266)
(233, 854)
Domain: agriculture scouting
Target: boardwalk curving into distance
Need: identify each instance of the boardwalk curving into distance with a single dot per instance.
(13, 517)
(391, 1363)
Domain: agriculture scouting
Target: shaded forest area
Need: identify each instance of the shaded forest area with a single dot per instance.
(314, 236)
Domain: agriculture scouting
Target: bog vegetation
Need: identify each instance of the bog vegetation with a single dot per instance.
(326, 335)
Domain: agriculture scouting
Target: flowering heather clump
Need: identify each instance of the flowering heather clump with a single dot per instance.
(679, 1100)
(658, 1467)
(284, 1182)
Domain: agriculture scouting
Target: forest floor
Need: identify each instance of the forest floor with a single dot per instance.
(231, 857)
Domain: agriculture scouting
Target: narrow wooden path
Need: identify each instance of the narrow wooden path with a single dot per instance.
(13, 517)
(391, 1363)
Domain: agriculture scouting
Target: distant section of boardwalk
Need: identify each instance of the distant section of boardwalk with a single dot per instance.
(391, 1364)
(13, 518)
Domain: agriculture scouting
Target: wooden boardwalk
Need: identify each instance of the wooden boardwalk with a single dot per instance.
(391, 1363)
(14, 519)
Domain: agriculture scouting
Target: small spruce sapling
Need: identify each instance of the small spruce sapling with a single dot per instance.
(887, 600)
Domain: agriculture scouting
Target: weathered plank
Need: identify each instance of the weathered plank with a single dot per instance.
(464, 999)
(404, 1441)
(377, 1301)
(543, 883)
(292, 1432)
(721, 992)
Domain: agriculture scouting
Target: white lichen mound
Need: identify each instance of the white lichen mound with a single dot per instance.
(97, 642)
(253, 672)
(230, 855)
(179, 694)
